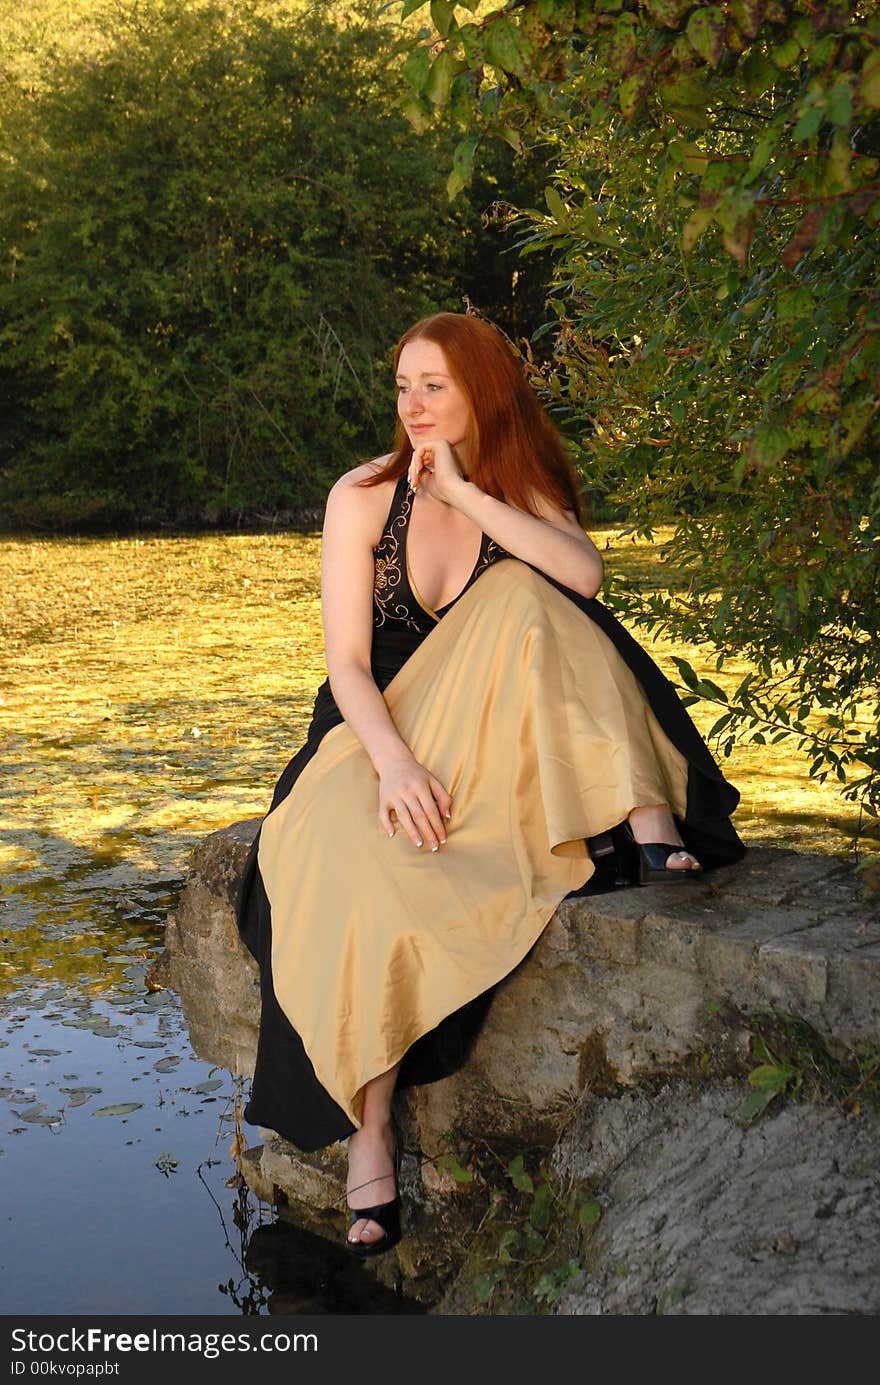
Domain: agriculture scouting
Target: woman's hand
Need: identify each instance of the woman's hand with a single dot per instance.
(434, 466)
(417, 800)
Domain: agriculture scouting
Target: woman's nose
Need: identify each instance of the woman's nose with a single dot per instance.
(414, 403)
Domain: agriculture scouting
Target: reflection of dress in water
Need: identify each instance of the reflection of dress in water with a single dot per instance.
(547, 723)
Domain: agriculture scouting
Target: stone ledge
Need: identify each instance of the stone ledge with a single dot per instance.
(620, 984)
(629, 972)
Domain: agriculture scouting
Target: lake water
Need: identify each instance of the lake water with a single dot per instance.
(151, 691)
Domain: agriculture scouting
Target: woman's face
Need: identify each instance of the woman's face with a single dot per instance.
(430, 404)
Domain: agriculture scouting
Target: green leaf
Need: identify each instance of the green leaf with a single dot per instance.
(483, 1288)
(770, 442)
(630, 92)
(416, 68)
(589, 1213)
(556, 206)
(869, 82)
(688, 675)
(839, 106)
(705, 30)
(709, 689)
(695, 226)
(442, 13)
(410, 7)
(444, 69)
(505, 48)
(754, 1104)
(786, 54)
(490, 100)
(472, 41)
(123, 1109)
(771, 1077)
(519, 1177)
(462, 165)
(686, 99)
(719, 726)
(758, 72)
(808, 123)
(748, 15)
(539, 1212)
(419, 114)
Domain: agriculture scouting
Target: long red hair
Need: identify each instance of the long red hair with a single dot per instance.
(513, 449)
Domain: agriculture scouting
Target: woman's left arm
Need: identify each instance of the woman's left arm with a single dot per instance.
(554, 543)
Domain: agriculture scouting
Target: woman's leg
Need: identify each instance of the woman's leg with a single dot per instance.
(371, 1181)
(656, 824)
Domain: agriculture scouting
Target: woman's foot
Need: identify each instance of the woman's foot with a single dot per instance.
(371, 1179)
(655, 825)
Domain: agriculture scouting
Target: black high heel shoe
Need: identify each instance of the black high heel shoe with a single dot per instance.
(386, 1215)
(652, 858)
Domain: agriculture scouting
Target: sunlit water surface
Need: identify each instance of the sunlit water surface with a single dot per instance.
(151, 691)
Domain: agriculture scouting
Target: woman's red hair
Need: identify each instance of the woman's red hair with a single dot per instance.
(514, 452)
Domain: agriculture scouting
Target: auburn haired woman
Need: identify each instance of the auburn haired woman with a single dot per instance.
(485, 722)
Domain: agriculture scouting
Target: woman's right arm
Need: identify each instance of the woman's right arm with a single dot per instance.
(406, 788)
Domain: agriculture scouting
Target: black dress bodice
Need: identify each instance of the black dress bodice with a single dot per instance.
(400, 619)
(395, 599)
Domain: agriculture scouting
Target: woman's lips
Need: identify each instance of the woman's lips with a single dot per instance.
(420, 427)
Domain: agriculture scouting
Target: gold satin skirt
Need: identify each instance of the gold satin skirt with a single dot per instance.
(529, 716)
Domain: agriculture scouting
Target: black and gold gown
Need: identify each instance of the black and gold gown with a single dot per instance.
(548, 724)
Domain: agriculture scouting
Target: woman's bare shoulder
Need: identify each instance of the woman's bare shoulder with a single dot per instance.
(349, 480)
(365, 507)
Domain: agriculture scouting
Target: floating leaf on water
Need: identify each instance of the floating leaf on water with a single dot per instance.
(32, 1112)
(108, 1031)
(123, 1110)
(210, 1086)
(46, 1052)
(6, 1091)
(75, 1091)
(147, 1043)
(166, 1064)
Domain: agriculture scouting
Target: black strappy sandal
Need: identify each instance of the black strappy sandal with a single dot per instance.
(386, 1215)
(652, 858)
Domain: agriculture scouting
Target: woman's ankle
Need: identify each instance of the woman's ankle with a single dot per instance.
(654, 823)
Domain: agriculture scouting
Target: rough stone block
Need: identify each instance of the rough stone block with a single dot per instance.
(599, 928)
(792, 975)
(768, 876)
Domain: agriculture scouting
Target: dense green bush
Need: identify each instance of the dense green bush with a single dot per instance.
(214, 223)
(713, 229)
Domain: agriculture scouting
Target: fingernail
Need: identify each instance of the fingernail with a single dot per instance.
(435, 848)
(442, 841)
(391, 834)
(419, 843)
(447, 815)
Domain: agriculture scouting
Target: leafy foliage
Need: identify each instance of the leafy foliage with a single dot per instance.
(214, 222)
(712, 226)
